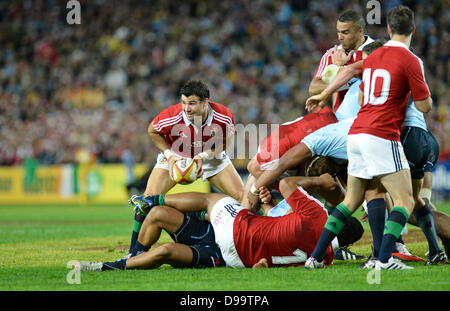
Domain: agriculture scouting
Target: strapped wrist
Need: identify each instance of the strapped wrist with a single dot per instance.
(253, 190)
(203, 155)
(168, 153)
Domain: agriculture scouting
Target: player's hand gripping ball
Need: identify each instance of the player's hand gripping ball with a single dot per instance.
(184, 171)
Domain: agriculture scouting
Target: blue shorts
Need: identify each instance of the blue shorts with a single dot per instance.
(199, 236)
(421, 150)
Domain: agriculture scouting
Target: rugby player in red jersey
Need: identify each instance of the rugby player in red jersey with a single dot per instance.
(350, 29)
(374, 150)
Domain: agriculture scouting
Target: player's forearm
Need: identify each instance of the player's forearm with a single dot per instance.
(158, 141)
(316, 86)
(343, 76)
(308, 183)
(292, 158)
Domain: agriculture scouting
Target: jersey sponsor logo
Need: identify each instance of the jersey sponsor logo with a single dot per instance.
(162, 160)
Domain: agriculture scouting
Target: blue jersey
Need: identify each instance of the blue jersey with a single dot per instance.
(349, 107)
(330, 140)
(413, 117)
(279, 210)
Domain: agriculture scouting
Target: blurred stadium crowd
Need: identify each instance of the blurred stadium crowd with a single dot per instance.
(97, 85)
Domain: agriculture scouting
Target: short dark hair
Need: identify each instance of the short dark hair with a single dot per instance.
(319, 165)
(401, 20)
(354, 17)
(369, 48)
(195, 87)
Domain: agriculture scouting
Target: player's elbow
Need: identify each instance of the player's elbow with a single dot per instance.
(287, 186)
(316, 87)
(254, 168)
(151, 130)
(424, 105)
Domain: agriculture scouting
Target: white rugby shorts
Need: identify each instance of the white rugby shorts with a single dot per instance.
(210, 167)
(370, 156)
(222, 218)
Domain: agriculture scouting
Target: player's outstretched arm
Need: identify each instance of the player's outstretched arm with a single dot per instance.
(292, 158)
(316, 86)
(311, 184)
(344, 75)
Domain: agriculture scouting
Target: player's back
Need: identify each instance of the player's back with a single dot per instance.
(389, 74)
(295, 131)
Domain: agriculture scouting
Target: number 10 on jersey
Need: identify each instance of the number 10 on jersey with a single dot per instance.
(372, 93)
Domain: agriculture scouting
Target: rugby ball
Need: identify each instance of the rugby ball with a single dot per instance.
(184, 171)
(330, 73)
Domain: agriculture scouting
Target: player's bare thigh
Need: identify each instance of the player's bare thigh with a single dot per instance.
(399, 186)
(159, 182)
(229, 182)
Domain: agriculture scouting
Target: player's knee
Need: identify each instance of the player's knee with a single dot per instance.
(156, 214)
(406, 202)
(165, 251)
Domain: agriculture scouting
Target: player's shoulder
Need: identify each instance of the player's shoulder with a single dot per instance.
(400, 49)
(221, 112)
(169, 115)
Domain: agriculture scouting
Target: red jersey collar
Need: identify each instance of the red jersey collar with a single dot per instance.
(208, 120)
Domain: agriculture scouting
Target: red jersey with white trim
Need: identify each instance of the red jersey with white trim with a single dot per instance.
(390, 73)
(289, 134)
(326, 61)
(284, 241)
(184, 138)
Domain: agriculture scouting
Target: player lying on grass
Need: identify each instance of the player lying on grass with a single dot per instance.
(421, 150)
(194, 245)
(245, 238)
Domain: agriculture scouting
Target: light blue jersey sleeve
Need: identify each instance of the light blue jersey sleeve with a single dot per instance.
(331, 140)
(349, 107)
(414, 117)
(279, 210)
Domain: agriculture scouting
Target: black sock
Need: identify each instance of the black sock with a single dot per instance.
(425, 219)
(336, 221)
(138, 249)
(120, 264)
(446, 243)
(376, 212)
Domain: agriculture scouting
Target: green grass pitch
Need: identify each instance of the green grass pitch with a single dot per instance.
(37, 242)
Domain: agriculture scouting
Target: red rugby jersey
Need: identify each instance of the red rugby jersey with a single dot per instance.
(326, 61)
(390, 73)
(289, 134)
(284, 241)
(184, 138)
